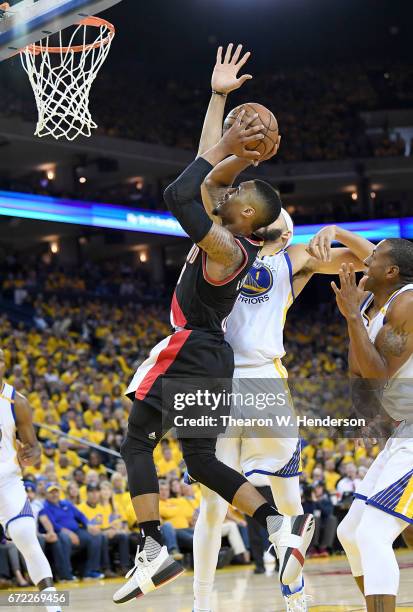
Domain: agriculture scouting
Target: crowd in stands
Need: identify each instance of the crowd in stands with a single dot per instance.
(73, 358)
(318, 108)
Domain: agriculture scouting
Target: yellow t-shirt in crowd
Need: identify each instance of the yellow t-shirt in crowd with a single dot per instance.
(73, 457)
(94, 515)
(331, 479)
(164, 467)
(89, 417)
(96, 436)
(79, 433)
(100, 469)
(177, 511)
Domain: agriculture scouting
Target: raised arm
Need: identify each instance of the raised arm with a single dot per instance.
(181, 197)
(224, 80)
(394, 342)
(320, 246)
(318, 257)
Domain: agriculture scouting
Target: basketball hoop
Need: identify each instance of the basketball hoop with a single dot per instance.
(61, 77)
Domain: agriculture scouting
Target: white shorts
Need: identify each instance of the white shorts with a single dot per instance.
(388, 484)
(14, 502)
(269, 451)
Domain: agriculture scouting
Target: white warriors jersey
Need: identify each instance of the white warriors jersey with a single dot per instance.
(398, 392)
(9, 464)
(256, 324)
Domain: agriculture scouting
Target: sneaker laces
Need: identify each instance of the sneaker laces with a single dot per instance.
(140, 561)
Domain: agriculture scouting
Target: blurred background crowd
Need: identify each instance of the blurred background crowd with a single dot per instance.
(318, 109)
(71, 342)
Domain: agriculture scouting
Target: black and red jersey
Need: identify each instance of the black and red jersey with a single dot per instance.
(200, 303)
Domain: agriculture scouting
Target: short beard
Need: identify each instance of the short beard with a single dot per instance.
(270, 235)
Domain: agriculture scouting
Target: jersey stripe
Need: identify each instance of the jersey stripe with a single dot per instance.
(178, 317)
(164, 360)
(290, 269)
(13, 410)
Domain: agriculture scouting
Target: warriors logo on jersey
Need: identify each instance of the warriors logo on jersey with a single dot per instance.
(258, 283)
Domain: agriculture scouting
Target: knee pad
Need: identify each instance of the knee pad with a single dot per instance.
(198, 465)
(214, 474)
(131, 447)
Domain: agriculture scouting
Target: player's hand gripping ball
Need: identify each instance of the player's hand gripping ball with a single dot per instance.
(266, 146)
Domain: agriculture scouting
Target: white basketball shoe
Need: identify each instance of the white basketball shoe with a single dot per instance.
(146, 576)
(291, 536)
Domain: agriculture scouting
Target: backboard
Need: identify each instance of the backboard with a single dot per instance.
(28, 21)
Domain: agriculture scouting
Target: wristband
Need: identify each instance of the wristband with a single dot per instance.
(219, 93)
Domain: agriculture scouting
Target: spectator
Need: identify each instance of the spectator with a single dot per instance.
(115, 527)
(167, 464)
(48, 538)
(72, 493)
(349, 482)
(71, 527)
(318, 502)
(179, 514)
(331, 477)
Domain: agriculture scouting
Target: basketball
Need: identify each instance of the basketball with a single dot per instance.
(265, 118)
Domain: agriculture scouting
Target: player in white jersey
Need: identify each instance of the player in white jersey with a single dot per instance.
(381, 350)
(16, 516)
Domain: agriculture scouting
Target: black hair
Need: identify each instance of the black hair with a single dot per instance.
(271, 204)
(401, 254)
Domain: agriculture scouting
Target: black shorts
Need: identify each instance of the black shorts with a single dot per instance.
(186, 358)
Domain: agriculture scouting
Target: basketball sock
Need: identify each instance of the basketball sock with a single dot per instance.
(151, 547)
(51, 608)
(203, 596)
(151, 539)
(152, 529)
(267, 516)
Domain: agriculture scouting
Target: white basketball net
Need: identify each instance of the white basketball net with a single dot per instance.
(61, 77)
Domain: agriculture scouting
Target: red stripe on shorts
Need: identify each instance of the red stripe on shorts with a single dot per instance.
(164, 360)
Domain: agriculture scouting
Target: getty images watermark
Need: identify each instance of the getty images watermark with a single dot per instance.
(263, 407)
(261, 402)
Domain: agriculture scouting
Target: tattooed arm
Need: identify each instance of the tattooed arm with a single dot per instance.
(224, 253)
(394, 342)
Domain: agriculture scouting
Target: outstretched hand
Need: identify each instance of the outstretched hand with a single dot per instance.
(350, 295)
(225, 75)
(320, 244)
(240, 134)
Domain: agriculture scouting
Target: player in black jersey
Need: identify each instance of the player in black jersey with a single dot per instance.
(224, 250)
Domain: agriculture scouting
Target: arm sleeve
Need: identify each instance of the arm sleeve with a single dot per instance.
(182, 199)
